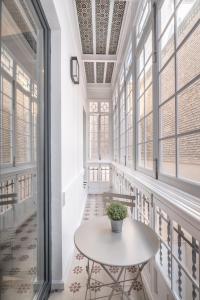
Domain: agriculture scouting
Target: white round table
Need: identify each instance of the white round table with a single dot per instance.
(134, 246)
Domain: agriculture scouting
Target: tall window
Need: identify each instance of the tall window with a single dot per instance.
(6, 126)
(128, 61)
(129, 122)
(18, 125)
(145, 106)
(145, 10)
(24, 149)
(99, 130)
(179, 98)
(116, 128)
(122, 129)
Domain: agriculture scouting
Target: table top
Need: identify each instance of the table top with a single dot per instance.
(136, 244)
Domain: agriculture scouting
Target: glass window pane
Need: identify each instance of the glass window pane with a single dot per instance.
(148, 47)
(141, 84)
(6, 129)
(141, 108)
(141, 62)
(188, 13)
(166, 12)
(24, 261)
(167, 44)
(104, 107)
(104, 136)
(149, 156)
(148, 101)
(141, 131)
(167, 118)
(141, 155)
(93, 140)
(188, 59)
(142, 19)
(148, 73)
(149, 128)
(167, 157)
(189, 157)
(6, 61)
(23, 128)
(189, 108)
(167, 81)
(93, 107)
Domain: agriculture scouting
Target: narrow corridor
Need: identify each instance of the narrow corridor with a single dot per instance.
(75, 288)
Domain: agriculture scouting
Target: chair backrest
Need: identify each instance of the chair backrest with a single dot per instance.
(126, 200)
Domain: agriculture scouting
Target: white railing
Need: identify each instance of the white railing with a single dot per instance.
(175, 217)
(18, 191)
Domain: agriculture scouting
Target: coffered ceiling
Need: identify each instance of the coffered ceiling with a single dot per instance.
(100, 24)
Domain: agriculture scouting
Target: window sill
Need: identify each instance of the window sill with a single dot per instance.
(184, 204)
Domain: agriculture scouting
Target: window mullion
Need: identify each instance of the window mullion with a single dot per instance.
(155, 93)
(14, 130)
(176, 84)
(134, 72)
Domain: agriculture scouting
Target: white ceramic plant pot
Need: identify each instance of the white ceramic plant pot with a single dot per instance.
(116, 225)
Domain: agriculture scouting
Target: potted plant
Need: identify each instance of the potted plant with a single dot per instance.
(117, 212)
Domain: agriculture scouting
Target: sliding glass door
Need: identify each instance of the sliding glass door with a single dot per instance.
(24, 159)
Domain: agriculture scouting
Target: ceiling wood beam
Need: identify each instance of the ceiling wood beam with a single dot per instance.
(109, 26)
(99, 58)
(94, 34)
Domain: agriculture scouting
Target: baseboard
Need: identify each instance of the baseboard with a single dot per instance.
(57, 285)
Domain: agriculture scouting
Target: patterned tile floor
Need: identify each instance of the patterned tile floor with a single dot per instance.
(18, 252)
(75, 288)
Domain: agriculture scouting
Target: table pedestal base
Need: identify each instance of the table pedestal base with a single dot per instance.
(117, 284)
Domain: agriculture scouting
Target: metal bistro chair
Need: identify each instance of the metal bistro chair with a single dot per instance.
(127, 200)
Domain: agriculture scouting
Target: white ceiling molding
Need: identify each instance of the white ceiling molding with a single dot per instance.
(127, 27)
(99, 58)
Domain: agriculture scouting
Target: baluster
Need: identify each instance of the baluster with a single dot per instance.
(143, 207)
(194, 267)
(148, 212)
(168, 251)
(137, 205)
(180, 258)
(160, 233)
(140, 206)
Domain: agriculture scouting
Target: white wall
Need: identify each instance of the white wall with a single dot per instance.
(68, 195)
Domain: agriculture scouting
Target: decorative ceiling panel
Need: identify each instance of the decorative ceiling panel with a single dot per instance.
(102, 18)
(118, 13)
(84, 11)
(109, 72)
(100, 72)
(89, 70)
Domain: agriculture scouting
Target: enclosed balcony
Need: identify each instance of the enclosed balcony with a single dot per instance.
(99, 104)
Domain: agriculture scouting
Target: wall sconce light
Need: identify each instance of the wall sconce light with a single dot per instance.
(74, 69)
